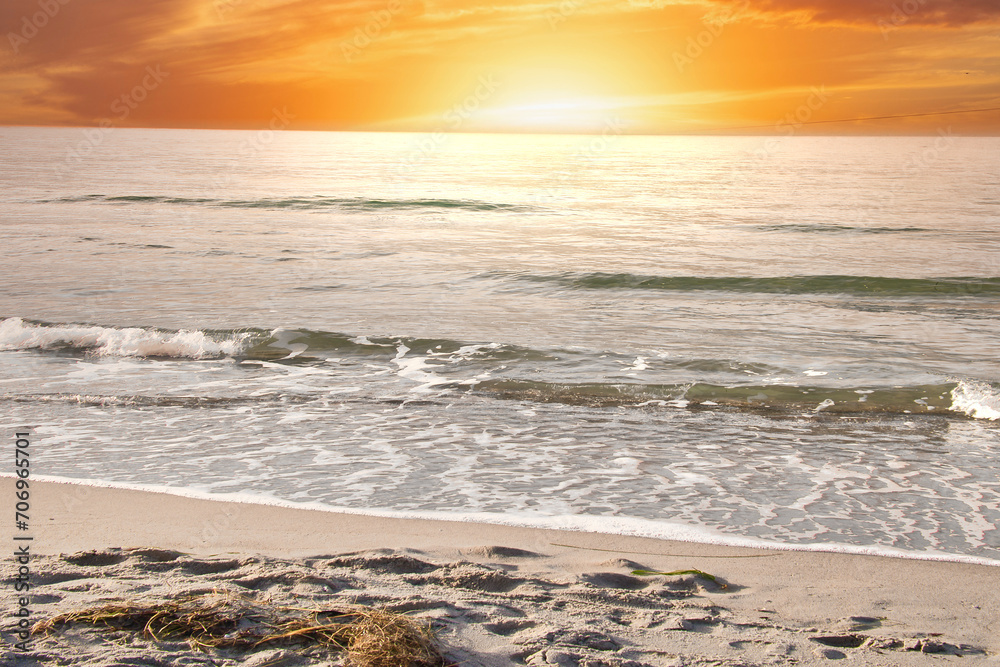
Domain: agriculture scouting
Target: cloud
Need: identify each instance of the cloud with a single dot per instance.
(74, 32)
(231, 62)
(946, 13)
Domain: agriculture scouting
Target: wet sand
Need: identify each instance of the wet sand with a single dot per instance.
(495, 595)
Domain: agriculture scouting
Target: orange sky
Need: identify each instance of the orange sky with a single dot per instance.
(640, 66)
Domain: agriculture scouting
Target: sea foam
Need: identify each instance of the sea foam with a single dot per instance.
(976, 399)
(569, 523)
(16, 334)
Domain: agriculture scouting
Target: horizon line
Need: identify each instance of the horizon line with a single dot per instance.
(779, 130)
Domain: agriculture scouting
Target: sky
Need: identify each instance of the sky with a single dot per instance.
(627, 66)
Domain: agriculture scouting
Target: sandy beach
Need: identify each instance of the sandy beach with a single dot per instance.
(494, 595)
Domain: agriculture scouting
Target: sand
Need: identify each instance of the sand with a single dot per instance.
(494, 595)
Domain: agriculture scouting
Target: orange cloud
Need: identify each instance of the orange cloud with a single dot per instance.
(404, 64)
(952, 13)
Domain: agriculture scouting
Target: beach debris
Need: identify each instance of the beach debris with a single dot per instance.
(369, 637)
(702, 575)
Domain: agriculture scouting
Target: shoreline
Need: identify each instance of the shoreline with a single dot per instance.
(773, 598)
(630, 527)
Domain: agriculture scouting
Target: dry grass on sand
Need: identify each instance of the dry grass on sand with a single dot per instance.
(370, 637)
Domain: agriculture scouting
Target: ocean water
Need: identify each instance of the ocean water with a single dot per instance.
(735, 339)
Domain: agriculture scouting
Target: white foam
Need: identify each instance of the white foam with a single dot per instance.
(15, 334)
(284, 338)
(976, 399)
(466, 351)
(416, 369)
(363, 340)
(824, 405)
(613, 525)
(639, 364)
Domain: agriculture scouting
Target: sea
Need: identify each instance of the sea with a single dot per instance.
(790, 342)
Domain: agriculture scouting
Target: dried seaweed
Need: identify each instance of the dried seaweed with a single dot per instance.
(369, 637)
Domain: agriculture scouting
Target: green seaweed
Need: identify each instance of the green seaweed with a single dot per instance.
(699, 573)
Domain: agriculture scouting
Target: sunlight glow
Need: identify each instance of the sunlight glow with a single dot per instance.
(579, 115)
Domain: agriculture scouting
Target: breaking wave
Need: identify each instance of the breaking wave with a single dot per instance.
(17, 334)
(498, 370)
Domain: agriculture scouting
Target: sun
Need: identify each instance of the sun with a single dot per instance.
(567, 115)
(569, 87)
(560, 97)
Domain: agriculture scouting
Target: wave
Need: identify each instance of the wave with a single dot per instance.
(824, 284)
(464, 364)
(289, 343)
(974, 399)
(820, 228)
(17, 334)
(359, 204)
(247, 343)
(978, 400)
(105, 400)
(190, 402)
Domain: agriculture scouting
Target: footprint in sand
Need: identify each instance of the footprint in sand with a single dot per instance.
(382, 563)
(507, 628)
(95, 558)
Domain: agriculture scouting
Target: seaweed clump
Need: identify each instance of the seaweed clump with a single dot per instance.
(369, 637)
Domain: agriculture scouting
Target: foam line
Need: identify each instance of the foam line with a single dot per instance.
(628, 526)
